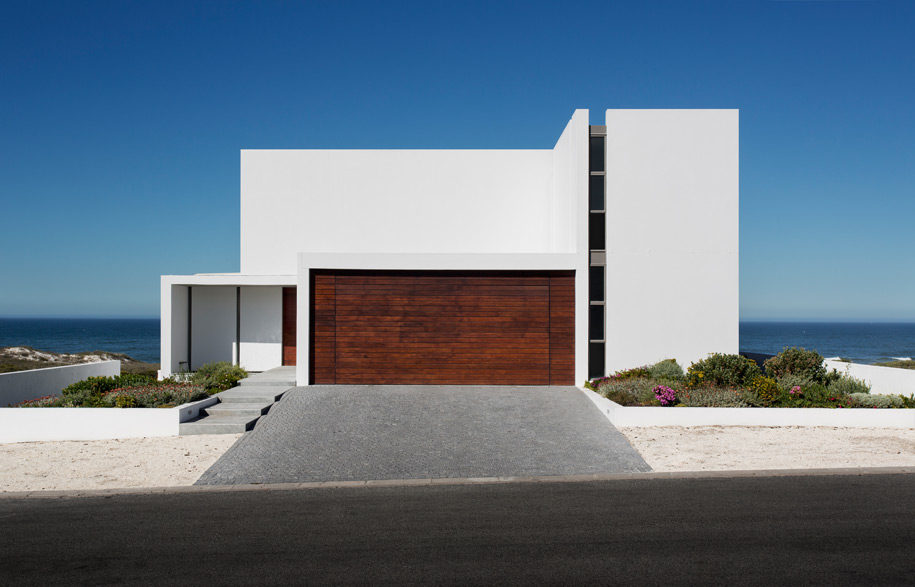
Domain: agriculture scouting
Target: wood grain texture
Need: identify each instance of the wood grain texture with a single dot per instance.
(443, 327)
(289, 317)
(323, 328)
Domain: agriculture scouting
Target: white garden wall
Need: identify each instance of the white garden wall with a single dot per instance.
(672, 235)
(883, 380)
(41, 424)
(641, 416)
(22, 386)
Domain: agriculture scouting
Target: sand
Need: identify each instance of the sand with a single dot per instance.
(108, 464)
(180, 460)
(730, 448)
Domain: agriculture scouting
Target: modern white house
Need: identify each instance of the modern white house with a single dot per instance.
(616, 248)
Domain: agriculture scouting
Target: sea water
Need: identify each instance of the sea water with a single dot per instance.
(138, 338)
(863, 342)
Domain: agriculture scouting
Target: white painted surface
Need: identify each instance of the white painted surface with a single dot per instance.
(173, 327)
(638, 416)
(672, 225)
(672, 235)
(22, 386)
(41, 424)
(883, 380)
(505, 262)
(213, 310)
(174, 311)
(569, 213)
(391, 201)
(261, 328)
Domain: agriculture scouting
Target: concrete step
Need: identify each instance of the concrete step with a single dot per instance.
(237, 409)
(252, 394)
(226, 425)
(259, 382)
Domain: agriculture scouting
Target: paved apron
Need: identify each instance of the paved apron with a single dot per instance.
(360, 432)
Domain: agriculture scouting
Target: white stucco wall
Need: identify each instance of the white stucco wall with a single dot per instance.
(391, 201)
(173, 326)
(213, 311)
(569, 220)
(672, 235)
(261, 328)
(883, 380)
(22, 386)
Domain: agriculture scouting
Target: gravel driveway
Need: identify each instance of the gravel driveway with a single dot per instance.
(354, 433)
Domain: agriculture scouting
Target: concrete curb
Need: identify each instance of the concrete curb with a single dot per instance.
(649, 476)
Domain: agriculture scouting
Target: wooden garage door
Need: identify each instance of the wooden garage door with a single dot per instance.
(442, 327)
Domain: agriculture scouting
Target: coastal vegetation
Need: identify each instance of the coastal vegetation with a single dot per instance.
(795, 378)
(901, 364)
(130, 390)
(24, 358)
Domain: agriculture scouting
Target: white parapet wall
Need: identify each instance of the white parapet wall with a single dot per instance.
(22, 386)
(639, 416)
(883, 380)
(42, 424)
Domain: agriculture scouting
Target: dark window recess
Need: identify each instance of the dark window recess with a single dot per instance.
(596, 192)
(597, 232)
(597, 284)
(597, 154)
(596, 360)
(596, 329)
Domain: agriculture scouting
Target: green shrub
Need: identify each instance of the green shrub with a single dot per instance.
(866, 400)
(766, 388)
(847, 385)
(901, 364)
(634, 373)
(666, 369)
(786, 382)
(621, 396)
(154, 396)
(220, 376)
(100, 385)
(713, 397)
(797, 361)
(48, 401)
(634, 391)
(125, 401)
(724, 370)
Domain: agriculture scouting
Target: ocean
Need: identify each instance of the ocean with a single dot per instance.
(863, 342)
(138, 338)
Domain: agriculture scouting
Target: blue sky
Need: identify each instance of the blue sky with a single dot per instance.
(121, 125)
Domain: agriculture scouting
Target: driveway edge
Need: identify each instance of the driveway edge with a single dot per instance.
(652, 475)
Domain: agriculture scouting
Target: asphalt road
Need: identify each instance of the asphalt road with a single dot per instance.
(818, 530)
